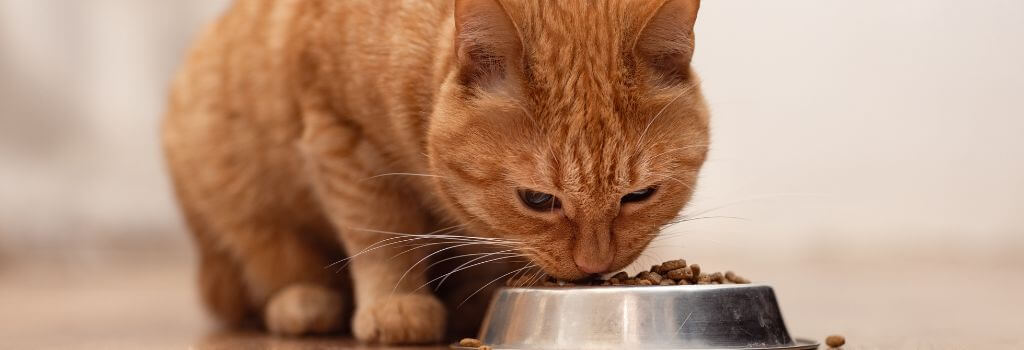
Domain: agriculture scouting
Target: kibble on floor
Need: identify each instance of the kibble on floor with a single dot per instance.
(835, 341)
(470, 342)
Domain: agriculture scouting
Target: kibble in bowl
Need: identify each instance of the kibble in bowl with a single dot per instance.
(669, 273)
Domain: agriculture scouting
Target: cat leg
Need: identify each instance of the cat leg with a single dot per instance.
(264, 261)
(221, 288)
(285, 273)
(295, 309)
(390, 306)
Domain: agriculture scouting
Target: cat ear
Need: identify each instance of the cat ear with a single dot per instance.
(487, 43)
(666, 42)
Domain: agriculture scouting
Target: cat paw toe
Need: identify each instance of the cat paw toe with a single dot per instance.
(303, 309)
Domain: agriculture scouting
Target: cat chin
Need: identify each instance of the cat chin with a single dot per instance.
(567, 274)
(571, 278)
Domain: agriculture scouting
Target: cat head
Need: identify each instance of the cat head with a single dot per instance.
(574, 127)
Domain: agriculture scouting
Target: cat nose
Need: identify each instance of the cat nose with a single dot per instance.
(592, 264)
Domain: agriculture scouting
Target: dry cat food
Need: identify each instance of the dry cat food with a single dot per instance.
(474, 343)
(835, 341)
(669, 273)
(471, 342)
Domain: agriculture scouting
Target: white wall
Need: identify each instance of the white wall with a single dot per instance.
(864, 122)
(841, 123)
(82, 93)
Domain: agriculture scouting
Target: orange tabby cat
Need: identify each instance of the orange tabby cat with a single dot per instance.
(562, 133)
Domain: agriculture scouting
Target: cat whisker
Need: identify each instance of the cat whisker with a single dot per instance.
(432, 254)
(433, 235)
(403, 174)
(459, 243)
(528, 277)
(554, 158)
(372, 247)
(386, 243)
(537, 277)
(463, 265)
(514, 276)
(534, 276)
(688, 219)
(675, 149)
(455, 244)
(686, 90)
(670, 177)
(444, 277)
(753, 198)
(697, 215)
(664, 244)
(496, 260)
(455, 257)
(672, 235)
(424, 259)
(491, 282)
(456, 270)
(407, 238)
(438, 235)
(460, 238)
(401, 238)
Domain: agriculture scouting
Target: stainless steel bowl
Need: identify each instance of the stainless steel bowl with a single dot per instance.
(653, 317)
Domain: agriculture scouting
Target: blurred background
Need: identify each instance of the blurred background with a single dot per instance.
(844, 132)
(868, 125)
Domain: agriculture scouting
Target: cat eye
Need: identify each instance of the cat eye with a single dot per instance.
(539, 201)
(639, 195)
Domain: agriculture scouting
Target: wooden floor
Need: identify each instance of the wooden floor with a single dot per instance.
(144, 299)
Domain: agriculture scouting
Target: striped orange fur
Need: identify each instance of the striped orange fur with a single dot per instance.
(301, 132)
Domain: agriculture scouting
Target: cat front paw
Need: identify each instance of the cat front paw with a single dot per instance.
(302, 309)
(400, 319)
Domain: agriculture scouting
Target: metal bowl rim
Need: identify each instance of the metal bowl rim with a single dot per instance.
(628, 287)
(798, 344)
